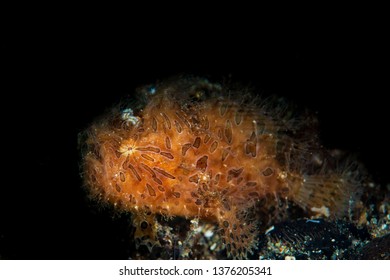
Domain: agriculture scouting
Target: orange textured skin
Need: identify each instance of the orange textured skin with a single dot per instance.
(207, 157)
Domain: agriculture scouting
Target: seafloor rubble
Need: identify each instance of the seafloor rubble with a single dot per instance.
(364, 235)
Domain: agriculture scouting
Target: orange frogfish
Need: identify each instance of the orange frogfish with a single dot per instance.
(190, 148)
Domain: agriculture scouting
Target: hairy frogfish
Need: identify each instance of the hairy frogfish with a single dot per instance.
(191, 148)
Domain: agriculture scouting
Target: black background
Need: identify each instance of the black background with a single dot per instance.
(58, 79)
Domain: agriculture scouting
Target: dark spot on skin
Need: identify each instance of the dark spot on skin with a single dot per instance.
(164, 173)
(213, 146)
(226, 205)
(167, 155)
(150, 190)
(147, 168)
(223, 109)
(196, 142)
(157, 180)
(144, 225)
(176, 194)
(193, 194)
(118, 154)
(225, 153)
(154, 124)
(238, 118)
(178, 127)
(149, 158)
(122, 176)
(201, 164)
(185, 148)
(167, 121)
(168, 143)
(148, 149)
(206, 138)
(228, 132)
(268, 172)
